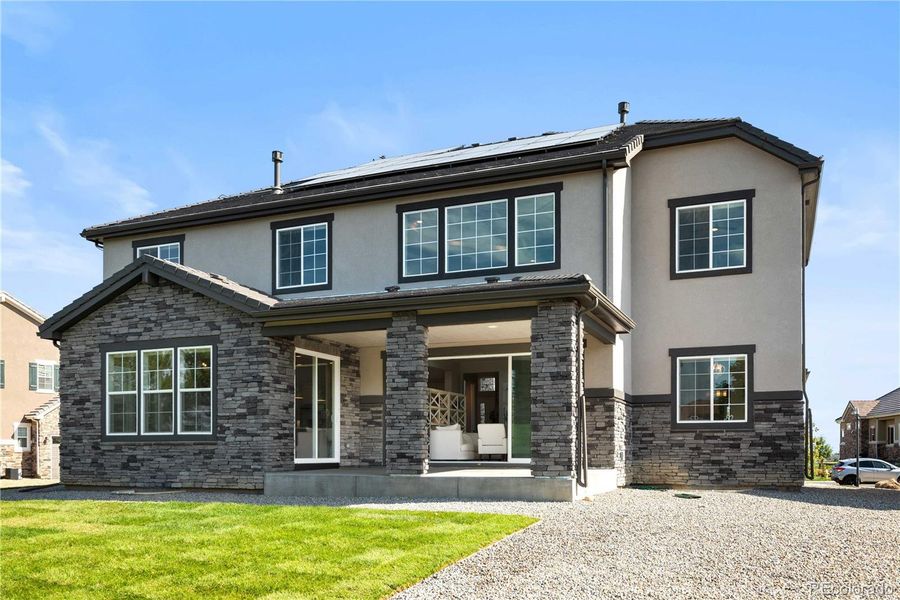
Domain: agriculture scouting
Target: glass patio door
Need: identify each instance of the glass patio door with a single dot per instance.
(520, 408)
(316, 407)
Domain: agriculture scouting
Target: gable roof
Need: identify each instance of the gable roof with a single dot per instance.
(21, 307)
(460, 166)
(887, 405)
(863, 406)
(147, 269)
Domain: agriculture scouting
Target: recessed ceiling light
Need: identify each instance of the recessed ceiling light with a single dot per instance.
(492, 326)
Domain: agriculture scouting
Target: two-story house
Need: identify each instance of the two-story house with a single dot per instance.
(437, 308)
(29, 394)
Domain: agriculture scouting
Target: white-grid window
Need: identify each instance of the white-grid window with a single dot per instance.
(195, 377)
(302, 255)
(712, 388)
(46, 377)
(23, 437)
(121, 393)
(476, 236)
(535, 229)
(157, 395)
(420, 242)
(711, 236)
(170, 252)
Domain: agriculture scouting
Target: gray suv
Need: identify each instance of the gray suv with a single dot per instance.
(871, 470)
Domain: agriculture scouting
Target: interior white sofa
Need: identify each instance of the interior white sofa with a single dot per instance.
(448, 442)
(491, 438)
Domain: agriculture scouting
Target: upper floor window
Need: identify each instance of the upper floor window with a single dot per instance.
(43, 376)
(167, 390)
(168, 248)
(496, 232)
(302, 250)
(711, 235)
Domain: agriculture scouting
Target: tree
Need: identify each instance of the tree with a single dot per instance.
(821, 453)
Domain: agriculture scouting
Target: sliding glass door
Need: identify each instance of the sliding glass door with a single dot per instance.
(520, 408)
(316, 407)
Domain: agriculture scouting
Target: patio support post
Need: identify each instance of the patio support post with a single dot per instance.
(406, 396)
(554, 389)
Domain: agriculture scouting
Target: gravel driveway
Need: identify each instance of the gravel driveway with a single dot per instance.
(634, 543)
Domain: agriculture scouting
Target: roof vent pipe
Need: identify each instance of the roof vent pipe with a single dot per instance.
(277, 158)
(624, 107)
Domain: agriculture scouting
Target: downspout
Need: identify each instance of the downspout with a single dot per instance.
(809, 462)
(581, 461)
(604, 208)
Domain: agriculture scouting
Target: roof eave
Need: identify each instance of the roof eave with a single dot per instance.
(287, 203)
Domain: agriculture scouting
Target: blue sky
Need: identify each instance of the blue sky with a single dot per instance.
(109, 110)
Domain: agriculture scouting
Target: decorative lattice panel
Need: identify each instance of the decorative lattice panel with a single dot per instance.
(446, 408)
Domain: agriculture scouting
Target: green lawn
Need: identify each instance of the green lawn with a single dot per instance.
(131, 550)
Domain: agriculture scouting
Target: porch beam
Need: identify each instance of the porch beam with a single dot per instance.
(522, 313)
(329, 327)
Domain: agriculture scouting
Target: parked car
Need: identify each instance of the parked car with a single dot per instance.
(871, 471)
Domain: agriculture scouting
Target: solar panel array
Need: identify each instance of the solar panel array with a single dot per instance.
(458, 154)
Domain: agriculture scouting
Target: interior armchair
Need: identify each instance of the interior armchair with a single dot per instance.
(491, 438)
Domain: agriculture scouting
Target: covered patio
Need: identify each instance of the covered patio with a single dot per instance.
(428, 402)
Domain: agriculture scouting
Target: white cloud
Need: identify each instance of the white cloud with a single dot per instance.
(372, 131)
(34, 26)
(88, 164)
(38, 251)
(12, 180)
(858, 208)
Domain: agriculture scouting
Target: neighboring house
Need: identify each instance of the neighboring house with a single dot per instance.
(340, 318)
(29, 387)
(879, 426)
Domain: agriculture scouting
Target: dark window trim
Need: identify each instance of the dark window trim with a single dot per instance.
(158, 241)
(676, 353)
(328, 220)
(175, 344)
(509, 195)
(676, 203)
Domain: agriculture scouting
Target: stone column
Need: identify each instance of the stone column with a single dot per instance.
(554, 388)
(406, 396)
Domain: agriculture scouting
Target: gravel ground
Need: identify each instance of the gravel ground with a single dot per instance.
(634, 543)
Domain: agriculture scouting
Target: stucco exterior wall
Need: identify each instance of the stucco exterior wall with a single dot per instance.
(19, 345)
(365, 240)
(763, 307)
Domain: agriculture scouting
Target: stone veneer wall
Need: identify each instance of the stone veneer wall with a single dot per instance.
(609, 434)
(554, 333)
(847, 447)
(10, 459)
(770, 454)
(254, 404)
(43, 432)
(406, 396)
(371, 432)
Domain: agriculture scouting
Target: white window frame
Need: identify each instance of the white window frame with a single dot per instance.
(437, 262)
(708, 206)
(278, 285)
(336, 386)
(516, 229)
(181, 390)
(711, 358)
(52, 366)
(27, 427)
(137, 251)
(447, 271)
(143, 392)
(136, 392)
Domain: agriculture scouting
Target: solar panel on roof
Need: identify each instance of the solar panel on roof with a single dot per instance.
(458, 154)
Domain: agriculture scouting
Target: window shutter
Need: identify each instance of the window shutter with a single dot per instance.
(32, 376)
(2, 374)
(55, 378)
